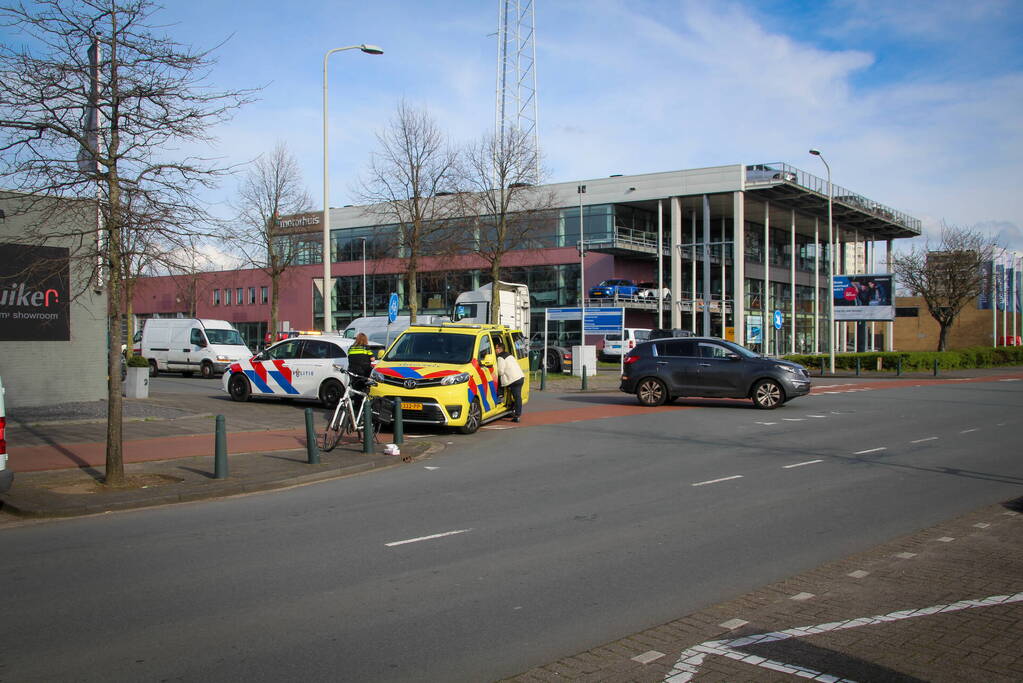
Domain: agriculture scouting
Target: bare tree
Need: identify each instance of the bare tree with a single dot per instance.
(407, 184)
(272, 188)
(97, 105)
(949, 276)
(501, 200)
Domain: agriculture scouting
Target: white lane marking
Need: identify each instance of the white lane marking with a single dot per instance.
(691, 659)
(870, 450)
(929, 438)
(426, 538)
(816, 415)
(800, 464)
(967, 431)
(767, 423)
(497, 427)
(428, 467)
(1011, 379)
(648, 656)
(792, 419)
(715, 481)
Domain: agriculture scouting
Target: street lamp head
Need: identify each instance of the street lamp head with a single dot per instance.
(371, 49)
(815, 152)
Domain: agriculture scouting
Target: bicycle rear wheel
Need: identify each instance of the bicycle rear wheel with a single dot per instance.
(333, 433)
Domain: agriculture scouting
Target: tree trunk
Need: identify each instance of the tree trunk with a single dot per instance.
(115, 437)
(943, 336)
(275, 296)
(495, 292)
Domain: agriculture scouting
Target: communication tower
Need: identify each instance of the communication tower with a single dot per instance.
(516, 72)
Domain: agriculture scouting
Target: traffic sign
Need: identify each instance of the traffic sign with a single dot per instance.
(779, 320)
(392, 308)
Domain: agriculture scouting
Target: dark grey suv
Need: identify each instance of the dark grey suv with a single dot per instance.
(662, 370)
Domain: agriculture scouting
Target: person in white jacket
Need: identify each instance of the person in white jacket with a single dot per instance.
(511, 377)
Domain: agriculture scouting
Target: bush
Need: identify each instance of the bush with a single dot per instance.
(137, 362)
(974, 357)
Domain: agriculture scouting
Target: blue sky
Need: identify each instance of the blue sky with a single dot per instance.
(915, 104)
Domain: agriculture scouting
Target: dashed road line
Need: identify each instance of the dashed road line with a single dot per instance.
(717, 481)
(871, 450)
(426, 538)
(967, 431)
(929, 438)
(691, 659)
(801, 464)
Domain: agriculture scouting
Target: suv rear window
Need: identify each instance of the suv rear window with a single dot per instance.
(675, 347)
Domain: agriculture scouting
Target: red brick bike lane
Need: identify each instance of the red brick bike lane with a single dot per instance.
(547, 410)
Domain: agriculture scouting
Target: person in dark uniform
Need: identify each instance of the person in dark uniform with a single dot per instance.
(360, 362)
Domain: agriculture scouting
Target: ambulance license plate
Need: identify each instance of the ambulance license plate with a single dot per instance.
(411, 406)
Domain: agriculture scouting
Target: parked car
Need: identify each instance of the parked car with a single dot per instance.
(648, 290)
(559, 356)
(617, 344)
(614, 289)
(660, 371)
(6, 476)
(759, 173)
(310, 367)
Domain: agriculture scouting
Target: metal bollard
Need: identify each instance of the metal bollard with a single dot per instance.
(584, 378)
(399, 430)
(367, 426)
(857, 366)
(312, 451)
(543, 378)
(898, 367)
(822, 366)
(220, 450)
(935, 367)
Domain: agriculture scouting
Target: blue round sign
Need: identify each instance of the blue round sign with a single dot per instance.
(778, 320)
(392, 308)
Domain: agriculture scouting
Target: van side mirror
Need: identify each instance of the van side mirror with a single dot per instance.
(489, 360)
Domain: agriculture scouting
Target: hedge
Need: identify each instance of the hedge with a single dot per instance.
(974, 357)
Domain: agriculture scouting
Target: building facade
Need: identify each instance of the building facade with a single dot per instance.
(733, 244)
(53, 319)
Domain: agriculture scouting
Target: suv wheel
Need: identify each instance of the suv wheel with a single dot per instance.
(767, 395)
(651, 392)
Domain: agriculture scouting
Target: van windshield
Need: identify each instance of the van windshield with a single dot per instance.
(432, 347)
(226, 337)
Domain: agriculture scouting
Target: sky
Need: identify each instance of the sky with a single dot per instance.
(914, 104)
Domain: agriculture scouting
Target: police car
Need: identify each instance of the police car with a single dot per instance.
(307, 367)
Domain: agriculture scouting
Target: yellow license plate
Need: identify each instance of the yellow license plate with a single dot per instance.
(411, 406)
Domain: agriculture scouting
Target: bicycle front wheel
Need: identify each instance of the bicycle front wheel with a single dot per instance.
(334, 431)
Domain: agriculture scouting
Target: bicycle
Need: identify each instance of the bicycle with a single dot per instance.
(345, 421)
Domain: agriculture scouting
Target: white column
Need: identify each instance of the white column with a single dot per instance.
(739, 267)
(816, 285)
(675, 209)
(792, 285)
(768, 323)
(693, 276)
(890, 346)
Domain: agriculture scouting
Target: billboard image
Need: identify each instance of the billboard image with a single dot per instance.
(34, 293)
(864, 297)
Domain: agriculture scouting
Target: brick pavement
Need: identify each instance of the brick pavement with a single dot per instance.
(942, 604)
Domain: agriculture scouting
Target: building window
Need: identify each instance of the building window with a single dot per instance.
(907, 312)
(227, 297)
(216, 297)
(252, 295)
(240, 298)
(263, 295)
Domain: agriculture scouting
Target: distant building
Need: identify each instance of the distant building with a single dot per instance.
(735, 244)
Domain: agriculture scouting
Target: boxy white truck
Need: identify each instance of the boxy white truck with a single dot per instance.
(191, 345)
(513, 306)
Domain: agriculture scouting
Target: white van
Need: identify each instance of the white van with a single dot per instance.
(191, 345)
(377, 329)
(617, 345)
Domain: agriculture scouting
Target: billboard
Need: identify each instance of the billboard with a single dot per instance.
(864, 297)
(35, 292)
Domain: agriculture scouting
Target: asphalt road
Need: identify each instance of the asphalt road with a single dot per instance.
(511, 549)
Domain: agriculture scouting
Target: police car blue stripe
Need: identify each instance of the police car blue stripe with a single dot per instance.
(285, 384)
(261, 386)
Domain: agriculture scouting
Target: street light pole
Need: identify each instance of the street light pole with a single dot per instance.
(327, 322)
(831, 268)
(363, 276)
